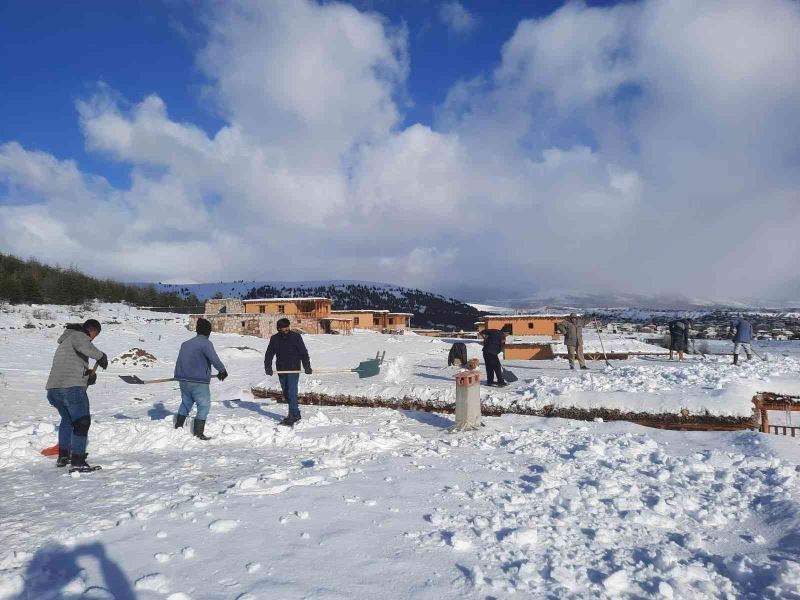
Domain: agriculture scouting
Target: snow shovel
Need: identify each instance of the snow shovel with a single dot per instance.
(508, 376)
(135, 379)
(599, 337)
(765, 356)
(366, 368)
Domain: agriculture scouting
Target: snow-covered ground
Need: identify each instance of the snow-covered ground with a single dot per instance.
(360, 503)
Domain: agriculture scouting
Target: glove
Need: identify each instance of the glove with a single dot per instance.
(92, 379)
(308, 371)
(268, 370)
(103, 362)
(222, 375)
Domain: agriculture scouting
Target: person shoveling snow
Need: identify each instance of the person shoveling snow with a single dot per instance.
(289, 350)
(193, 372)
(66, 391)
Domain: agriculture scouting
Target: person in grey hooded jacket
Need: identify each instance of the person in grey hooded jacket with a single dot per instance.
(66, 391)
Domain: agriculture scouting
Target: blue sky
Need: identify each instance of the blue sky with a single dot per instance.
(547, 146)
(60, 51)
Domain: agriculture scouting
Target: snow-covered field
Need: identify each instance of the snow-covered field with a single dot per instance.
(362, 503)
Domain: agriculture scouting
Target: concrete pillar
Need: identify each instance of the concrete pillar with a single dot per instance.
(468, 401)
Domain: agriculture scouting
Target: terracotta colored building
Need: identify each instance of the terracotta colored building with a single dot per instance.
(259, 317)
(376, 320)
(309, 308)
(524, 325)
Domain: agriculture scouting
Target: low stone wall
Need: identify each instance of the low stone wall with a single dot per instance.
(258, 324)
(681, 422)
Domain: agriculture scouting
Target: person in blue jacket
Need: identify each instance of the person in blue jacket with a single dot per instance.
(742, 337)
(289, 350)
(193, 371)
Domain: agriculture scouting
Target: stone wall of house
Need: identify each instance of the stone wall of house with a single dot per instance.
(229, 306)
(257, 324)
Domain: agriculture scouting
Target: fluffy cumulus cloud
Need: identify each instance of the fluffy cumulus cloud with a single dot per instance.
(646, 147)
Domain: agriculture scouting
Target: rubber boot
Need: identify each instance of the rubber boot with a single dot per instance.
(199, 428)
(63, 458)
(80, 465)
(290, 420)
(179, 421)
(736, 359)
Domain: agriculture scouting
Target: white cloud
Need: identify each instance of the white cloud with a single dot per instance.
(645, 147)
(457, 18)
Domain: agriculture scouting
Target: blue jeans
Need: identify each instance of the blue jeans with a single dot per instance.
(195, 393)
(72, 403)
(289, 388)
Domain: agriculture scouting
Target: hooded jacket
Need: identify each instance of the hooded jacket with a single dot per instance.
(71, 361)
(572, 332)
(743, 331)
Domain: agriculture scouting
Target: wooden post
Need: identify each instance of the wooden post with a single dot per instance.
(764, 421)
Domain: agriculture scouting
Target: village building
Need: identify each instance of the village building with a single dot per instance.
(525, 325)
(377, 319)
(259, 317)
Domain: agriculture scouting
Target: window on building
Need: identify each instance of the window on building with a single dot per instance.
(262, 309)
(530, 324)
(391, 320)
(355, 320)
(376, 321)
(242, 323)
(281, 308)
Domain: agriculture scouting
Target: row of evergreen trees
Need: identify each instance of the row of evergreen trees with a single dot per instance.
(31, 282)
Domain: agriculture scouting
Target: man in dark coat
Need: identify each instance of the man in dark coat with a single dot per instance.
(678, 337)
(494, 341)
(289, 351)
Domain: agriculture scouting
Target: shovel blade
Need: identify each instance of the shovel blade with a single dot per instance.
(509, 376)
(368, 368)
(131, 379)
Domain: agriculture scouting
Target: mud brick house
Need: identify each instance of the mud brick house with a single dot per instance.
(524, 325)
(377, 320)
(259, 317)
(539, 330)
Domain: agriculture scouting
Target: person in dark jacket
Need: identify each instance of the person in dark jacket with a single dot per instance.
(457, 355)
(742, 337)
(678, 337)
(193, 372)
(66, 391)
(289, 351)
(494, 341)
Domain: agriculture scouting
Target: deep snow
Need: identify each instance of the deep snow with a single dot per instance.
(366, 503)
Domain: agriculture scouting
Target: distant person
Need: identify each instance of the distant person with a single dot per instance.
(66, 391)
(742, 330)
(494, 342)
(193, 370)
(457, 355)
(572, 330)
(678, 337)
(289, 350)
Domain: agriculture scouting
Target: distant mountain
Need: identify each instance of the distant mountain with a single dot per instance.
(566, 300)
(430, 310)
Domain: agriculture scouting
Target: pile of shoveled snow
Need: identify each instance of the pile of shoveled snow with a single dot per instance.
(135, 357)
